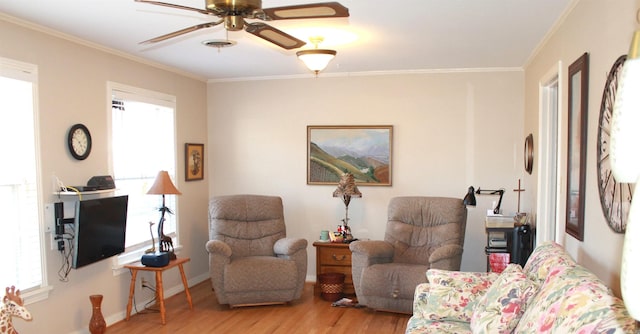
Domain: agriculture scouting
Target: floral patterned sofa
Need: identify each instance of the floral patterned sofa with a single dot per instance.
(551, 294)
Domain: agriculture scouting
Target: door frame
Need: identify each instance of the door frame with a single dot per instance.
(549, 225)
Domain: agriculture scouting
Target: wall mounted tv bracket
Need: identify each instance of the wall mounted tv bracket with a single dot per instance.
(60, 222)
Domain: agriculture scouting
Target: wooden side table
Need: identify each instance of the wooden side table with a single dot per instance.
(333, 257)
(137, 266)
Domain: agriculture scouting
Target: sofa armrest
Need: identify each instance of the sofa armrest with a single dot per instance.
(365, 253)
(374, 249)
(217, 247)
(219, 257)
(289, 246)
(447, 257)
(294, 249)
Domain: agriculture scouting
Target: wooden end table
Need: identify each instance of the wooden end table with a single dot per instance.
(137, 266)
(334, 257)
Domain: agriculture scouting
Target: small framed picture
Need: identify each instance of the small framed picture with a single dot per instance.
(193, 162)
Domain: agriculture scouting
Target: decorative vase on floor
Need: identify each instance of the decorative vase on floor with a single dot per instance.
(97, 325)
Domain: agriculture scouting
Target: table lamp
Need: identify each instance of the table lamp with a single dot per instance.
(470, 198)
(625, 165)
(346, 189)
(163, 186)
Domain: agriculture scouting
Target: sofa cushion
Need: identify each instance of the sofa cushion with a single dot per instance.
(453, 294)
(500, 308)
(547, 255)
(573, 300)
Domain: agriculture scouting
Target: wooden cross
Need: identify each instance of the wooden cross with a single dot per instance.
(519, 190)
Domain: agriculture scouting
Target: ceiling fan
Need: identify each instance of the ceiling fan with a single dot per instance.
(233, 13)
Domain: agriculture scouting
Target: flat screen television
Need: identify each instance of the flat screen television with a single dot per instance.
(100, 226)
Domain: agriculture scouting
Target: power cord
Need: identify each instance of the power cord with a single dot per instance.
(67, 254)
(78, 192)
(146, 309)
(62, 188)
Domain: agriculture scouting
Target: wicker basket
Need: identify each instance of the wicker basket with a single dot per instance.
(331, 286)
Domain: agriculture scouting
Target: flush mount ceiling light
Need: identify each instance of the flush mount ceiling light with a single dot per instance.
(316, 59)
(219, 43)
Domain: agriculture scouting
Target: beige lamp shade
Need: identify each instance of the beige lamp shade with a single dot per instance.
(163, 185)
(625, 165)
(347, 187)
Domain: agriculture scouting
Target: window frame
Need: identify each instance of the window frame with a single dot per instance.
(18, 70)
(135, 252)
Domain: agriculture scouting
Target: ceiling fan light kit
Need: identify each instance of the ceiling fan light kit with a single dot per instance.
(316, 59)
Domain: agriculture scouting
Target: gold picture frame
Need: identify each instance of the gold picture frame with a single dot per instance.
(193, 162)
(362, 150)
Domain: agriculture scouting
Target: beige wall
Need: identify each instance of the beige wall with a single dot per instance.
(73, 89)
(603, 29)
(451, 130)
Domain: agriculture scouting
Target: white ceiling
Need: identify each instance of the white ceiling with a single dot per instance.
(387, 36)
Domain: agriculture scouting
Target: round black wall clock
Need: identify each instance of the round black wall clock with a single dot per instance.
(79, 141)
(615, 197)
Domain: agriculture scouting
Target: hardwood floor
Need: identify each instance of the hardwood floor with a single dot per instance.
(311, 314)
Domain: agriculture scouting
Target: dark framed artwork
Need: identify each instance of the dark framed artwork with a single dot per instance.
(364, 151)
(528, 154)
(577, 145)
(193, 162)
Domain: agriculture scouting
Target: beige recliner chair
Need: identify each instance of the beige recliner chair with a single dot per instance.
(421, 233)
(251, 262)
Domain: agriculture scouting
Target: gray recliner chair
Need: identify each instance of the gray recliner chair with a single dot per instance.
(421, 233)
(251, 262)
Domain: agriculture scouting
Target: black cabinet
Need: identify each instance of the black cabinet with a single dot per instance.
(503, 237)
(499, 240)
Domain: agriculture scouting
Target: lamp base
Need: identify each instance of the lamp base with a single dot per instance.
(345, 230)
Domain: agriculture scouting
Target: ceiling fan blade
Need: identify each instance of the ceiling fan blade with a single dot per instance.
(181, 32)
(165, 4)
(273, 35)
(313, 10)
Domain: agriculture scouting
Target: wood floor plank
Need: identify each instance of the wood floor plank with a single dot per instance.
(311, 314)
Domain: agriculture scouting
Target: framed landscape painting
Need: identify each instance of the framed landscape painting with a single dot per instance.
(364, 151)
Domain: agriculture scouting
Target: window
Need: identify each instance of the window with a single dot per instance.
(20, 194)
(143, 143)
